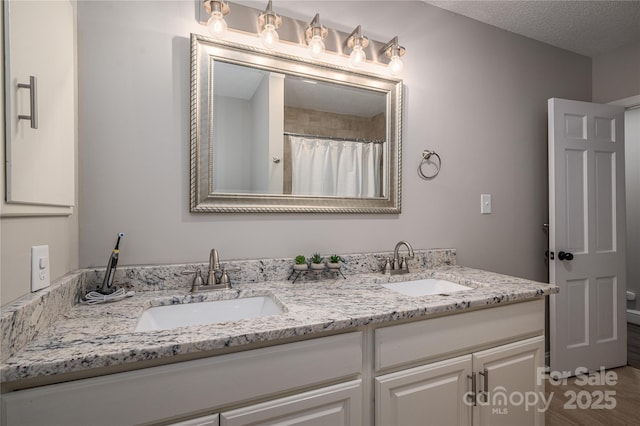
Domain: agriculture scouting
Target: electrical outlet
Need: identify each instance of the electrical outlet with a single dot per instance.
(485, 203)
(40, 268)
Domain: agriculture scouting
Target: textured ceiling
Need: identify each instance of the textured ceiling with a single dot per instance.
(589, 28)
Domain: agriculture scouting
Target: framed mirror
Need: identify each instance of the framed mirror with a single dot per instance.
(277, 133)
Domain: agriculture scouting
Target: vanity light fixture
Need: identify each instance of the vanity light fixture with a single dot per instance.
(357, 43)
(394, 51)
(269, 22)
(315, 33)
(216, 23)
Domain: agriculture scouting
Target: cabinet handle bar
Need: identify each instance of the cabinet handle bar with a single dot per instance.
(33, 101)
(473, 389)
(485, 384)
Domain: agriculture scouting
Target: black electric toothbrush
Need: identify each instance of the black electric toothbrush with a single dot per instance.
(111, 268)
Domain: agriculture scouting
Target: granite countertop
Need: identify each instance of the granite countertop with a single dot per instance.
(90, 337)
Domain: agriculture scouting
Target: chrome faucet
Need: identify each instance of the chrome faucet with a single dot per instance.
(399, 265)
(214, 267)
(217, 277)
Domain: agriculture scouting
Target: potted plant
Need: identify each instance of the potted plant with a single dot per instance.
(301, 263)
(334, 262)
(317, 263)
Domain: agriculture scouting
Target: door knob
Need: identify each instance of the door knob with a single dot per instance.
(565, 255)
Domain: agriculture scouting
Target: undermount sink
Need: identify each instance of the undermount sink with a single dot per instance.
(426, 287)
(181, 315)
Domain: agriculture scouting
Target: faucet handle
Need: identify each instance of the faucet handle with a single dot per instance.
(197, 279)
(226, 268)
(386, 269)
(224, 279)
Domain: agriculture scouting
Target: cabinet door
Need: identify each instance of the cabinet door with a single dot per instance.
(510, 382)
(434, 394)
(40, 163)
(338, 405)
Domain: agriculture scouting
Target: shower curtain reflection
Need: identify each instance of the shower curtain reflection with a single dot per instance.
(324, 167)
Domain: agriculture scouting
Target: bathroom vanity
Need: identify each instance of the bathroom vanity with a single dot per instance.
(343, 351)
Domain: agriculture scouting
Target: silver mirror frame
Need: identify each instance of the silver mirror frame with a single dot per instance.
(204, 200)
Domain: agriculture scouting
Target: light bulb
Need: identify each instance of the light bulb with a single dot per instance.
(217, 25)
(316, 47)
(396, 65)
(358, 56)
(269, 36)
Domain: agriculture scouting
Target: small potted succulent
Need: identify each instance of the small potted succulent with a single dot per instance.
(334, 262)
(317, 263)
(301, 263)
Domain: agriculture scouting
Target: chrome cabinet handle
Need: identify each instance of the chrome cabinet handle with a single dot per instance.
(33, 100)
(485, 384)
(473, 395)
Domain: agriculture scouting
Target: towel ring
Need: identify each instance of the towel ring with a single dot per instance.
(426, 155)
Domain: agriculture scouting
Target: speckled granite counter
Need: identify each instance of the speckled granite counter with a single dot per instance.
(91, 337)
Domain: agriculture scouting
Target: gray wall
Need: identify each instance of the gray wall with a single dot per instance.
(475, 94)
(616, 74)
(19, 234)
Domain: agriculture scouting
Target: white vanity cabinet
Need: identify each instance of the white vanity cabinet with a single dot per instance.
(429, 394)
(304, 371)
(210, 420)
(337, 405)
(414, 373)
(509, 384)
(442, 392)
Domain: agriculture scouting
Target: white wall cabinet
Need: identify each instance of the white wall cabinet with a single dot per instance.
(40, 162)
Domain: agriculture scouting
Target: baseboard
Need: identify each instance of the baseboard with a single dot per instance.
(633, 316)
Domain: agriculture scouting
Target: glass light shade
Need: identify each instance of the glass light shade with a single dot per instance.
(217, 25)
(316, 47)
(357, 56)
(269, 36)
(395, 66)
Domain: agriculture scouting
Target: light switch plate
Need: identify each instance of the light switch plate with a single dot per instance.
(485, 203)
(40, 268)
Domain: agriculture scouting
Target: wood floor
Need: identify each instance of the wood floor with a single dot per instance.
(623, 397)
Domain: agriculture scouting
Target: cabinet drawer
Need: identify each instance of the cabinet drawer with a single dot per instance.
(456, 334)
(337, 405)
(178, 389)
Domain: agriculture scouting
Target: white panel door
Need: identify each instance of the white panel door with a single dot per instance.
(586, 236)
(508, 379)
(40, 161)
(433, 394)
